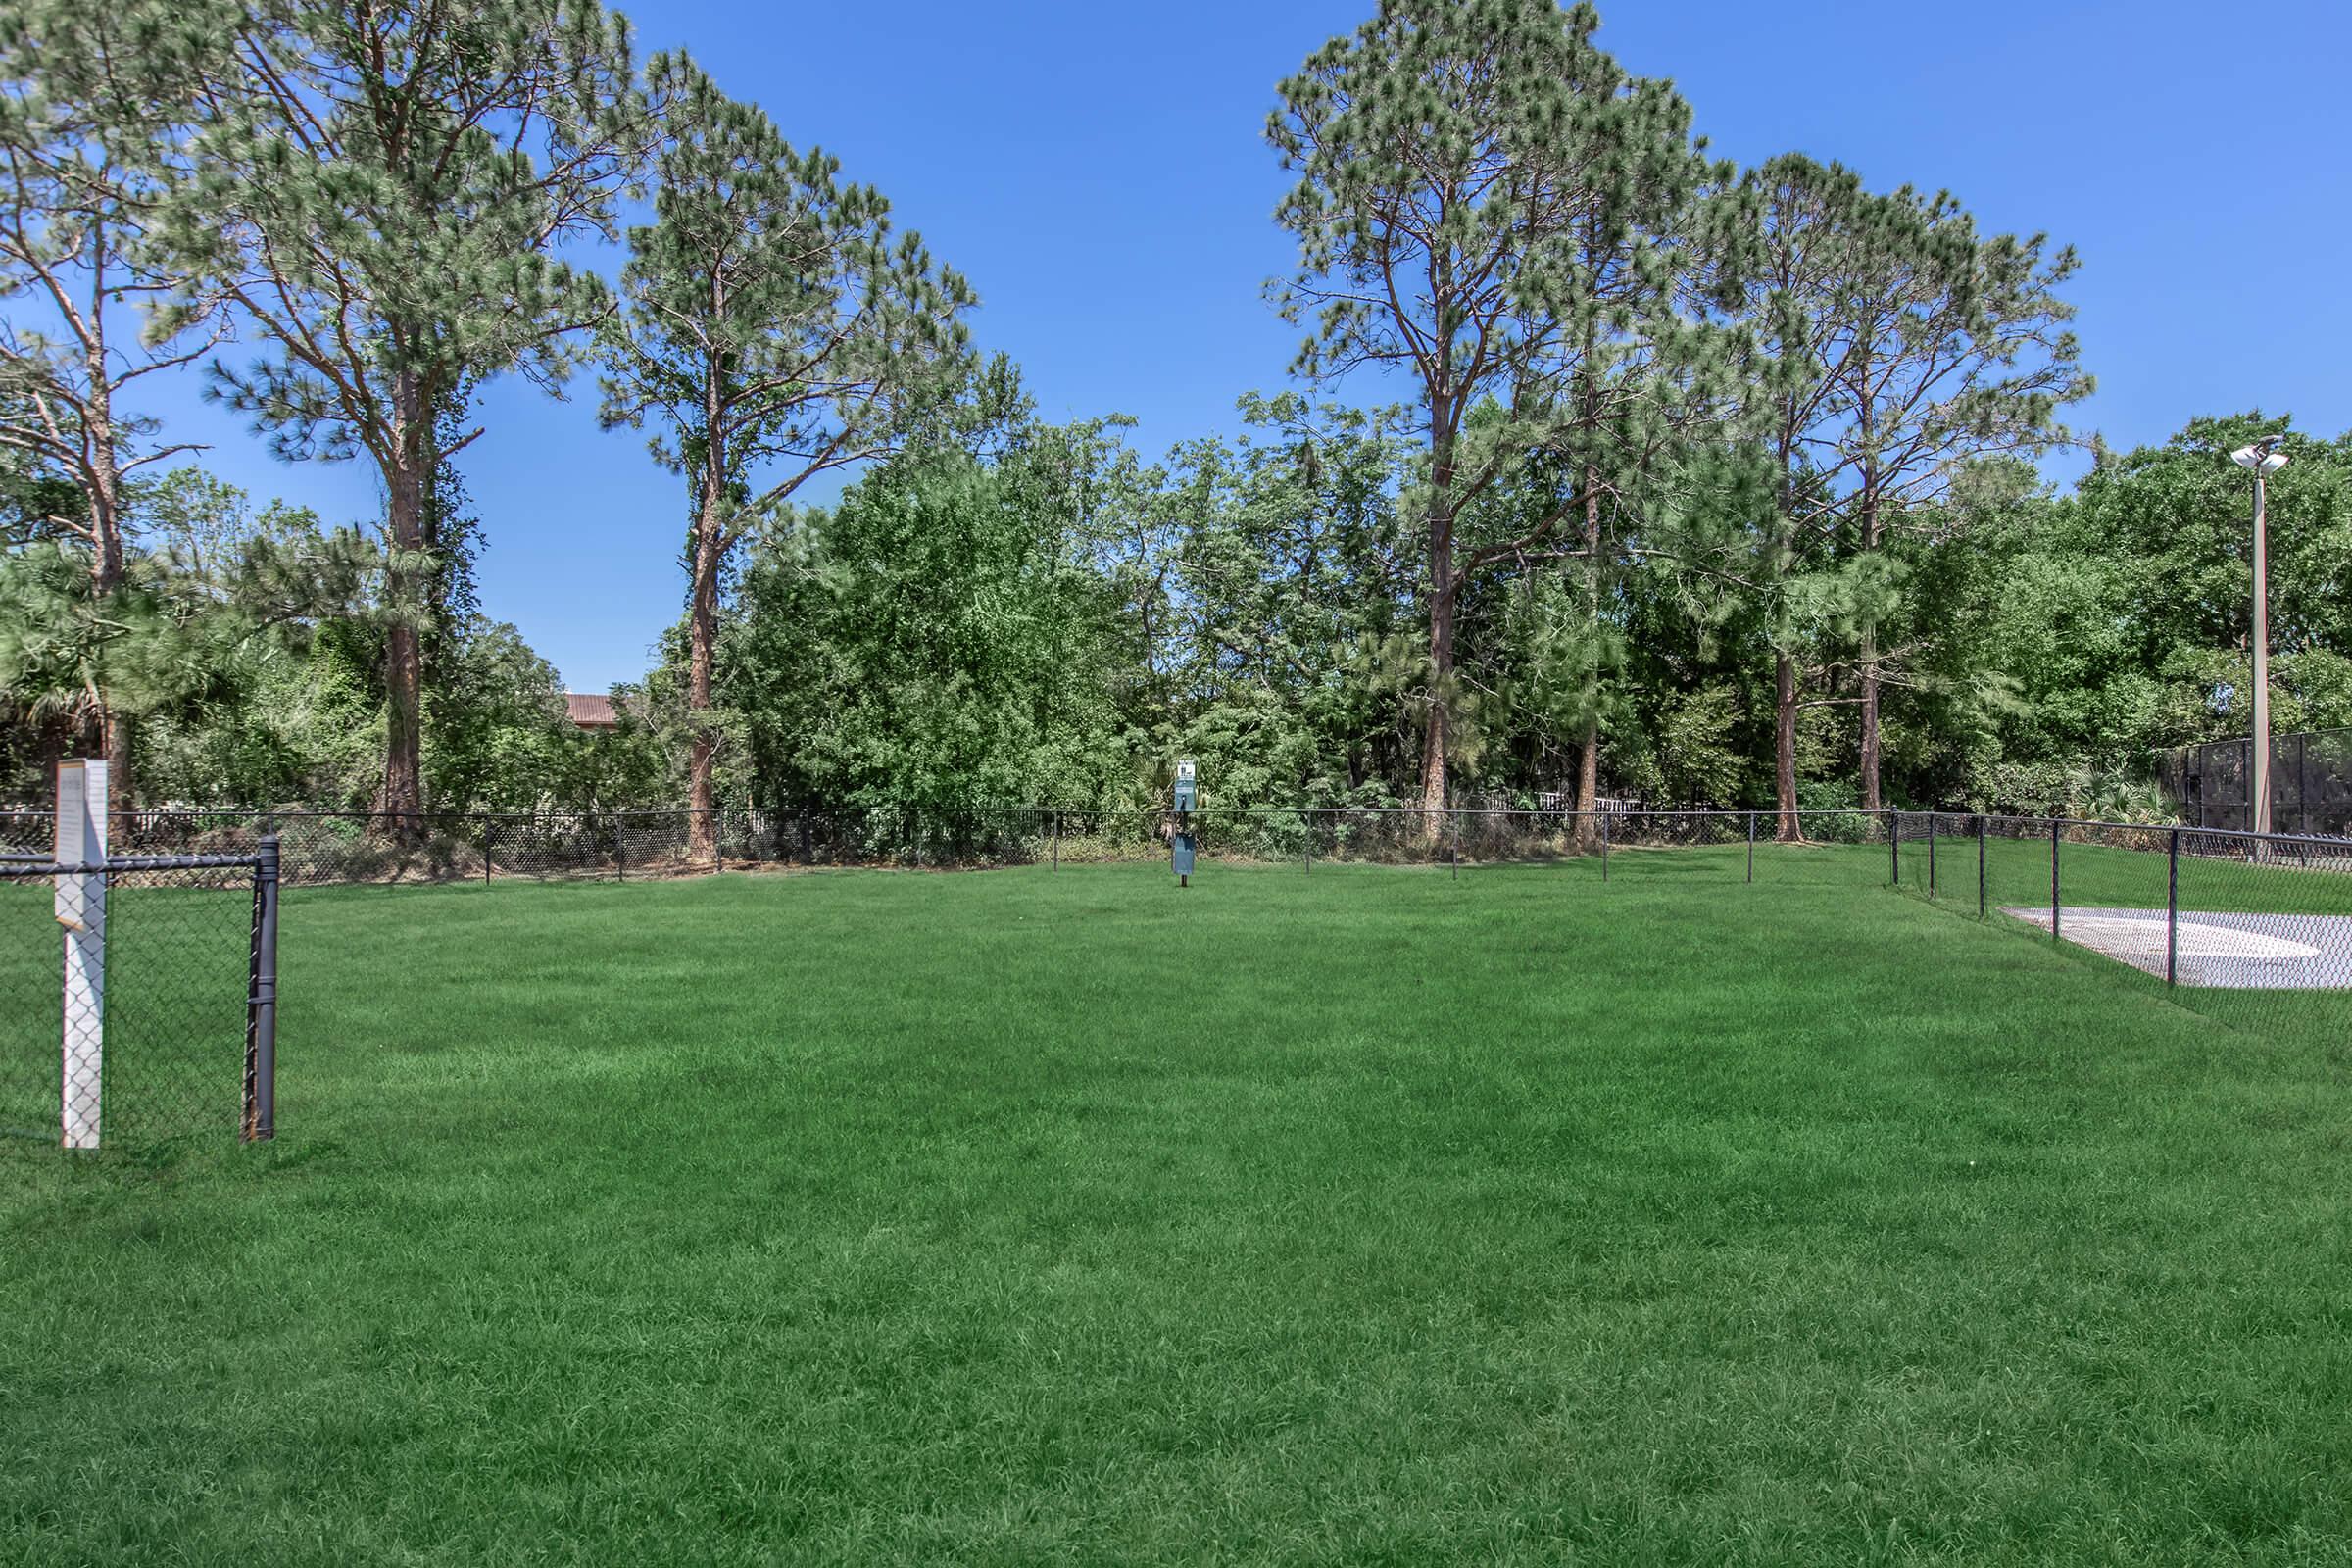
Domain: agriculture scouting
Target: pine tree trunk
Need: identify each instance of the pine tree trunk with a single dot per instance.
(1869, 646)
(1588, 766)
(1441, 670)
(702, 637)
(115, 727)
(1441, 587)
(1588, 786)
(122, 735)
(1870, 721)
(1783, 745)
(402, 796)
(1783, 665)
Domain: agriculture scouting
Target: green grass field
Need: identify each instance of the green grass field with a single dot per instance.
(1372, 1216)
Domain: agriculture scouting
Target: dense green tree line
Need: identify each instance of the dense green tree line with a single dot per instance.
(1608, 469)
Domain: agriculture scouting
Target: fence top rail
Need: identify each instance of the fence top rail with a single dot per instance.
(119, 864)
(2317, 841)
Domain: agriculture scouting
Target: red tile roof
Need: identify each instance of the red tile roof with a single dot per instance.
(591, 709)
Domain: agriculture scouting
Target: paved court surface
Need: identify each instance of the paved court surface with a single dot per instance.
(2247, 952)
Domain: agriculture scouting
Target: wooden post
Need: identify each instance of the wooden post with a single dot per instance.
(80, 906)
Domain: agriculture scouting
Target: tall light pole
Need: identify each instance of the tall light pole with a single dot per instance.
(2262, 461)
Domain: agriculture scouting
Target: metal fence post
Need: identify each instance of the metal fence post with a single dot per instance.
(1981, 821)
(2303, 783)
(1057, 838)
(1605, 846)
(489, 828)
(1455, 823)
(620, 849)
(2053, 879)
(1751, 846)
(1931, 855)
(2247, 751)
(1894, 849)
(1309, 836)
(2172, 911)
(261, 1007)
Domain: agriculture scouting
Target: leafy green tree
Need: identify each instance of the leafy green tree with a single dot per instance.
(244, 597)
(90, 157)
(2168, 530)
(1291, 597)
(387, 193)
(774, 328)
(937, 639)
(1458, 161)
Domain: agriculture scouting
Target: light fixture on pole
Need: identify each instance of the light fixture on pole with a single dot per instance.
(2262, 460)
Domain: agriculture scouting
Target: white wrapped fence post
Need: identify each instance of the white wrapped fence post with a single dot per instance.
(81, 915)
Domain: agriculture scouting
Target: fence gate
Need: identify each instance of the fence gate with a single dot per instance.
(138, 994)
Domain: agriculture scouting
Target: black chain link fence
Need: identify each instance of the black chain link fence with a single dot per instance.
(351, 848)
(137, 999)
(2254, 930)
(2212, 785)
(2251, 930)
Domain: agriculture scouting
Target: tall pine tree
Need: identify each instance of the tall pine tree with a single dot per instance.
(1959, 351)
(384, 191)
(774, 328)
(1479, 198)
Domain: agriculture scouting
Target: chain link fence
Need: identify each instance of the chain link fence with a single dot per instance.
(2212, 785)
(354, 848)
(2246, 928)
(137, 999)
(2250, 929)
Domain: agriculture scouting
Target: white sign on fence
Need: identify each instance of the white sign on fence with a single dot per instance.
(81, 915)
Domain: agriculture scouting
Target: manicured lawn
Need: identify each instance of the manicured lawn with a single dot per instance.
(1372, 1216)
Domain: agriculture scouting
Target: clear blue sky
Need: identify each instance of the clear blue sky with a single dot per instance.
(1098, 171)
